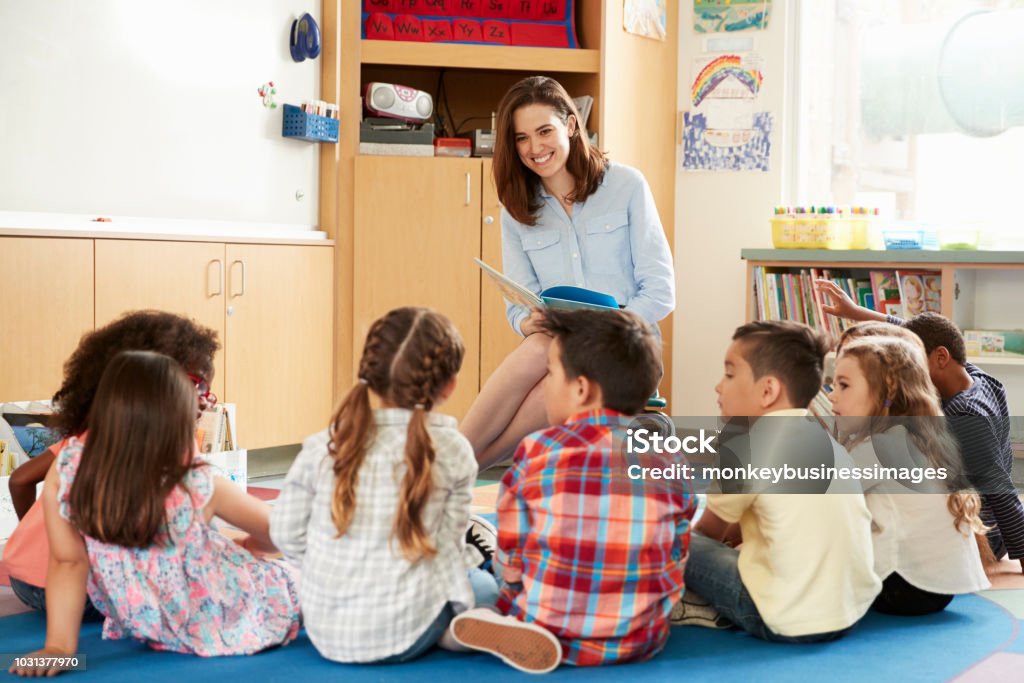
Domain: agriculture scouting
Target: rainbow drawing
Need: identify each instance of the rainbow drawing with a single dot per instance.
(718, 70)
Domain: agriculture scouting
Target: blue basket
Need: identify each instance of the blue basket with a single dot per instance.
(302, 126)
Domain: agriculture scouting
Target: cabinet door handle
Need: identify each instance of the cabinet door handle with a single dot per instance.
(469, 189)
(241, 263)
(488, 220)
(220, 278)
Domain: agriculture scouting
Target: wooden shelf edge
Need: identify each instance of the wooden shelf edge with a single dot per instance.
(995, 360)
(459, 56)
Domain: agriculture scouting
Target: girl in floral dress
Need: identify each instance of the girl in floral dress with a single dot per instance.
(128, 515)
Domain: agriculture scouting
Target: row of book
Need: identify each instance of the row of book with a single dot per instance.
(789, 294)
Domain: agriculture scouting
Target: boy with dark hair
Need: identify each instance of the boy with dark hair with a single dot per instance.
(590, 558)
(804, 572)
(976, 409)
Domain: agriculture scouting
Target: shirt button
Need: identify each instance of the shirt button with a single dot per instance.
(575, 255)
(607, 227)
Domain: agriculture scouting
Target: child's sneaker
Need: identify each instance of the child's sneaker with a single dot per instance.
(527, 647)
(481, 540)
(694, 610)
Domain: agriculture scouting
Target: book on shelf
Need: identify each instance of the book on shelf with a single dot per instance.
(562, 297)
(995, 343)
(920, 291)
(883, 284)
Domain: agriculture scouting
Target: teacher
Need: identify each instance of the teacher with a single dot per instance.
(570, 217)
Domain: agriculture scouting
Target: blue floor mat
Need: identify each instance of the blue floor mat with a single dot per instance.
(881, 648)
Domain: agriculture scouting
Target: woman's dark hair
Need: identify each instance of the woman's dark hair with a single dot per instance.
(518, 187)
(410, 356)
(141, 439)
(189, 343)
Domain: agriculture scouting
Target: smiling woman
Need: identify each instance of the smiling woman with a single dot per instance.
(570, 217)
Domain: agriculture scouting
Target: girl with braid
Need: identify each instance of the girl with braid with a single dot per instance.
(376, 506)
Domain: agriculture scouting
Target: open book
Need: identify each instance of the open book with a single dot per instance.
(563, 297)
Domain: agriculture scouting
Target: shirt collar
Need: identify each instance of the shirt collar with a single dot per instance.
(397, 417)
(599, 416)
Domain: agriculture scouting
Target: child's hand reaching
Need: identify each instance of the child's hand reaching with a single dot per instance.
(842, 305)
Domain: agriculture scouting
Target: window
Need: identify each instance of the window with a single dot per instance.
(916, 107)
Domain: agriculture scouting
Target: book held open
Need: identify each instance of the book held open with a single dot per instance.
(562, 297)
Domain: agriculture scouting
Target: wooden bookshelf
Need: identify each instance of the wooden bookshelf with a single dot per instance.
(496, 57)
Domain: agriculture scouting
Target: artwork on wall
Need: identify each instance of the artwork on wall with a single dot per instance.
(720, 16)
(645, 18)
(723, 130)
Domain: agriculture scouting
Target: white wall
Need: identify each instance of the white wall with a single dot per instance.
(717, 214)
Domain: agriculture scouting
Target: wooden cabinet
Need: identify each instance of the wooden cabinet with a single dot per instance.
(497, 339)
(186, 278)
(46, 290)
(272, 309)
(279, 341)
(417, 230)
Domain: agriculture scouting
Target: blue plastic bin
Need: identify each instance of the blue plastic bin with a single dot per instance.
(302, 126)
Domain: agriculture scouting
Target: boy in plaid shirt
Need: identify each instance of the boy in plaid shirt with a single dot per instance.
(590, 560)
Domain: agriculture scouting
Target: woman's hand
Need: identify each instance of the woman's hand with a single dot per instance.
(842, 305)
(533, 324)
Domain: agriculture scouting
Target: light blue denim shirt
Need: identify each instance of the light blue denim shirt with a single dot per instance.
(613, 243)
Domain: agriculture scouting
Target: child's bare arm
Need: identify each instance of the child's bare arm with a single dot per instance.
(24, 479)
(246, 512)
(65, 582)
(712, 526)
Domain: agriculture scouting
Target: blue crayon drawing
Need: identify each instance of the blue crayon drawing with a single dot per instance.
(752, 154)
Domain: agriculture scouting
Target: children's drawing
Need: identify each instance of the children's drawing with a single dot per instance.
(645, 18)
(718, 16)
(739, 150)
(722, 128)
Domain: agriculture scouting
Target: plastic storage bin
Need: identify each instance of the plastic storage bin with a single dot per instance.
(310, 127)
(814, 231)
(958, 239)
(903, 238)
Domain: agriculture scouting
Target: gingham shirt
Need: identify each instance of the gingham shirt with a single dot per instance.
(590, 554)
(361, 599)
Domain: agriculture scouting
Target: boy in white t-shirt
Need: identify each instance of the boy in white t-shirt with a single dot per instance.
(804, 572)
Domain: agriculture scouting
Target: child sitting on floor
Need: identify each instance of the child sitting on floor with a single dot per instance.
(925, 549)
(375, 507)
(128, 512)
(804, 572)
(590, 559)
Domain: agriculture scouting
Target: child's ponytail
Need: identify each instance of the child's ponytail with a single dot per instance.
(416, 487)
(352, 428)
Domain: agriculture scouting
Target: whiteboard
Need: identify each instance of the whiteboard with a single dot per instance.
(150, 108)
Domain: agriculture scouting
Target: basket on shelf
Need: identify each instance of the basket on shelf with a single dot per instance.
(310, 127)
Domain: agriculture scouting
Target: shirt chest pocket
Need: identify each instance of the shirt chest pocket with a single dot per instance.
(544, 250)
(607, 249)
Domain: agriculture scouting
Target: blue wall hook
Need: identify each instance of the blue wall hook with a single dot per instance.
(305, 39)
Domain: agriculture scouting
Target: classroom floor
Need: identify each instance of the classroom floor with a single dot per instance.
(978, 639)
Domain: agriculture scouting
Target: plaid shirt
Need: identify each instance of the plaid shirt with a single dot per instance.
(361, 599)
(590, 554)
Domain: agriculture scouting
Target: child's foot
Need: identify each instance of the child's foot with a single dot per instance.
(527, 647)
(693, 610)
(481, 540)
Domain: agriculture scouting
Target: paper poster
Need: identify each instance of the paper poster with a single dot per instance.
(743, 150)
(645, 18)
(719, 16)
(724, 131)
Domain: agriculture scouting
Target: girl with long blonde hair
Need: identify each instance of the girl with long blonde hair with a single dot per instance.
(376, 506)
(924, 524)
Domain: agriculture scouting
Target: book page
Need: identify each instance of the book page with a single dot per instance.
(511, 290)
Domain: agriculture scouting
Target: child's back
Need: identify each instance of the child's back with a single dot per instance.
(361, 599)
(192, 590)
(597, 553)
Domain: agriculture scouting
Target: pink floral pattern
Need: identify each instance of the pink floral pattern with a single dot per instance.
(192, 591)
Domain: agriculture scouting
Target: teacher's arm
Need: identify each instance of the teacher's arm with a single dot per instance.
(516, 265)
(653, 271)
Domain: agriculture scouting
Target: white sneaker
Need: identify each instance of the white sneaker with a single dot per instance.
(527, 647)
(693, 610)
(481, 541)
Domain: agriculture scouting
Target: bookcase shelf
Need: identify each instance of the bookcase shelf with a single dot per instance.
(499, 57)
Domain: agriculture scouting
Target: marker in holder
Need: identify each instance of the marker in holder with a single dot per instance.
(310, 127)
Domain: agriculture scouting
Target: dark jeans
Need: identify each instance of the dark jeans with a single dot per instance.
(900, 598)
(712, 571)
(34, 597)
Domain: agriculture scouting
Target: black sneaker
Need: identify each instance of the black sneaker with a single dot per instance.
(481, 540)
(694, 610)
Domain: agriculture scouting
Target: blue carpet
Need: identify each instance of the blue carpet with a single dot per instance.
(881, 648)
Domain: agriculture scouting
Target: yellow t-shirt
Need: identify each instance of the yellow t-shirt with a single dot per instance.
(806, 559)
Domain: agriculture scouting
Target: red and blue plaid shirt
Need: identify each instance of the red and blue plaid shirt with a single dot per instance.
(587, 552)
